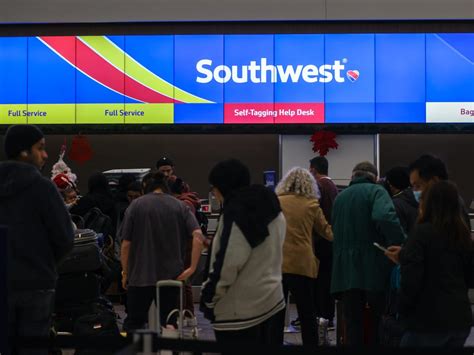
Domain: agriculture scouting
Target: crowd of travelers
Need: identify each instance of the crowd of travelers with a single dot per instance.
(307, 238)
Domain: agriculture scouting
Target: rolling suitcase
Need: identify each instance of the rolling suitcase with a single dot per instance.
(77, 288)
(186, 326)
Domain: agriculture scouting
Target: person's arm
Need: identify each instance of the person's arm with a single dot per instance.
(126, 233)
(393, 253)
(412, 269)
(198, 239)
(124, 252)
(401, 214)
(385, 218)
(230, 258)
(321, 225)
(58, 223)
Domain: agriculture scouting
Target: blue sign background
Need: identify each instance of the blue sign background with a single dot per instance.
(398, 74)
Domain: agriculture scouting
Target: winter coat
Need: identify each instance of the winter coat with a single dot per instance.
(363, 214)
(434, 282)
(40, 230)
(303, 217)
(244, 287)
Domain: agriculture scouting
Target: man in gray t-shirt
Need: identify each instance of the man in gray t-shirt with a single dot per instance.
(154, 233)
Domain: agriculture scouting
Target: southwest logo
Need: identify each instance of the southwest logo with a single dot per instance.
(261, 72)
(352, 75)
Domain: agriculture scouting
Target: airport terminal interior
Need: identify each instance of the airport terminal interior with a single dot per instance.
(137, 99)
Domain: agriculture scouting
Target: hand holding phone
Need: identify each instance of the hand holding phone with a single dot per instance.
(377, 245)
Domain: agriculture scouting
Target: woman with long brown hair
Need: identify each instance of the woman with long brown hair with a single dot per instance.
(436, 272)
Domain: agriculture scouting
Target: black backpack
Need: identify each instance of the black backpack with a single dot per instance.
(99, 222)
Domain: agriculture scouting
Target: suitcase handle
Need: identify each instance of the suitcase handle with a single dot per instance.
(169, 283)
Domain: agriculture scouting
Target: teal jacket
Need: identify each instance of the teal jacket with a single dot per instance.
(363, 214)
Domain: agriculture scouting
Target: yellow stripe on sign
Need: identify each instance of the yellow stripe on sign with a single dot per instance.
(100, 113)
(115, 55)
(51, 113)
(13, 114)
(106, 49)
(149, 113)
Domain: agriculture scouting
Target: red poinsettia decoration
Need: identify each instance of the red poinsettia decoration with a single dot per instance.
(323, 141)
(81, 150)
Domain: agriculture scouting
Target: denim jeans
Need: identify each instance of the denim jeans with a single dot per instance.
(29, 315)
(453, 339)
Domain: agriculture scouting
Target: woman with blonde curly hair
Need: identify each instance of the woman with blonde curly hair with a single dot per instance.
(298, 194)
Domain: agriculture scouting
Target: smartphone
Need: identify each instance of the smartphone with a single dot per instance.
(377, 245)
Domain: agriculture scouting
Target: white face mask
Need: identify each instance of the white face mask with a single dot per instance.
(417, 195)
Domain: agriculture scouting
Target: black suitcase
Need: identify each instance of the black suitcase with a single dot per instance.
(86, 254)
(77, 288)
(65, 316)
(96, 324)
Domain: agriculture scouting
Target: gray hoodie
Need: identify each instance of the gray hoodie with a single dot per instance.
(39, 227)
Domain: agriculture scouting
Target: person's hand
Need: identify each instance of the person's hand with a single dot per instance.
(185, 274)
(124, 281)
(393, 253)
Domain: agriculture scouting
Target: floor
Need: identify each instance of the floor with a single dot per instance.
(292, 337)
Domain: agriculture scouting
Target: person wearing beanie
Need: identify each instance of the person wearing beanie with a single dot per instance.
(406, 206)
(363, 214)
(165, 166)
(25, 143)
(243, 293)
(40, 234)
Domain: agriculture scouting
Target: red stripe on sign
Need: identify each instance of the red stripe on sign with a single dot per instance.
(105, 73)
(65, 46)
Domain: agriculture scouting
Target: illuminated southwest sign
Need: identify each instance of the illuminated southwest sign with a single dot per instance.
(238, 79)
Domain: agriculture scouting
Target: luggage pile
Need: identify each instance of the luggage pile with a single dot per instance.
(81, 306)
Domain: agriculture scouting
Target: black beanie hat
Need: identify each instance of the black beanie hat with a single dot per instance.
(229, 175)
(19, 138)
(164, 161)
(398, 177)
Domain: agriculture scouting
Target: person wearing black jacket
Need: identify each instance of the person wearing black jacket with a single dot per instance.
(39, 233)
(406, 206)
(98, 196)
(436, 271)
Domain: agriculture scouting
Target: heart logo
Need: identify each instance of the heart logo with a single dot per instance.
(352, 75)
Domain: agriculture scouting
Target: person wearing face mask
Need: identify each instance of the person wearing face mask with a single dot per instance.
(427, 170)
(436, 267)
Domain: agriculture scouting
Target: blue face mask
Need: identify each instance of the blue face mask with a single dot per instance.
(417, 195)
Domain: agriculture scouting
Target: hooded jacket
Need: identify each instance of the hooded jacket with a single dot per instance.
(244, 287)
(39, 232)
